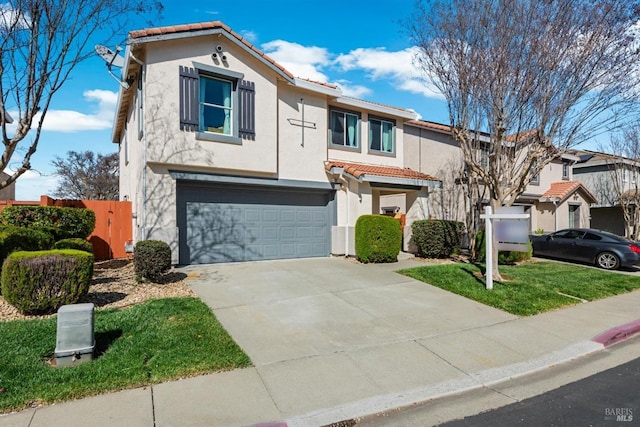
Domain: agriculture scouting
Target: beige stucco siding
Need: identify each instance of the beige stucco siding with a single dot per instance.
(302, 150)
(168, 144)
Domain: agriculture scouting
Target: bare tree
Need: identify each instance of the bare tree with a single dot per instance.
(536, 77)
(624, 179)
(41, 42)
(460, 198)
(87, 176)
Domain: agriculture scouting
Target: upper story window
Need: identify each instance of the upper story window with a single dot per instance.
(217, 104)
(381, 135)
(565, 170)
(344, 129)
(535, 180)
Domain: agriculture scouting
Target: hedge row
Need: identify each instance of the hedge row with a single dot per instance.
(62, 222)
(437, 238)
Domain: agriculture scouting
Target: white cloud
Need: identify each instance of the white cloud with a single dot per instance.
(302, 61)
(397, 66)
(31, 185)
(251, 36)
(75, 121)
(12, 18)
(354, 91)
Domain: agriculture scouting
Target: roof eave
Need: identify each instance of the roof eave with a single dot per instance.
(318, 88)
(379, 179)
(116, 132)
(382, 109)
(248, 47)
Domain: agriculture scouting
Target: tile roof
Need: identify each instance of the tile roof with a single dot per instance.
(430, 125)
(562, 190)
(358, 170)
(202, 26)
(520, 136)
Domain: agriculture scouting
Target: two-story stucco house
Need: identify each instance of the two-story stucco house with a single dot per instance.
(553, 199)
(610, 178)
(227, 156)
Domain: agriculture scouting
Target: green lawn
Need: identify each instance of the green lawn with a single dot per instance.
(156, 341)
(531, 288)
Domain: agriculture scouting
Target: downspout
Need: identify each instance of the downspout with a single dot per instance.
(144, 146)
(555, 214)
(346, 229)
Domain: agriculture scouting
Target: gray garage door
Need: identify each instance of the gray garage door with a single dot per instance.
(222, 223)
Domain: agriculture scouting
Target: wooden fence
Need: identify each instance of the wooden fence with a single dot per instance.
(113, 222)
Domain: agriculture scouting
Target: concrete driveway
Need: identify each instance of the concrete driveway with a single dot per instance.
(291, 309)
(310, 324)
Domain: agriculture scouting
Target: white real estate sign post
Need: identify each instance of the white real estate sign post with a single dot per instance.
(511, 233)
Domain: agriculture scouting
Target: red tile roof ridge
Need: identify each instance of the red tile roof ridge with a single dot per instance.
(359, 169)
(432, 125)
(562, 189)
(183, 28)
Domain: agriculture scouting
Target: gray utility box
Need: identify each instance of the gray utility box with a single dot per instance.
(75, 341)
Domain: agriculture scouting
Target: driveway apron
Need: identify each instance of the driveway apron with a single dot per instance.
(310, 325)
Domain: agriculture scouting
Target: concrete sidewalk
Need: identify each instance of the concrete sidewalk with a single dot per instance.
(331, 340)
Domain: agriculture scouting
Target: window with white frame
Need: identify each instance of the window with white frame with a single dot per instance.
(381, 135)
(344, 129)
(565, 170)
(216, 105)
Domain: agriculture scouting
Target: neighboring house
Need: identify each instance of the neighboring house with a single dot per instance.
(608, 177)
(227, 156)
(552, 199)
(8, 192)
(555, 200)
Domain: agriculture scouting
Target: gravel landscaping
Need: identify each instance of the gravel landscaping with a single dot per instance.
(114, 285)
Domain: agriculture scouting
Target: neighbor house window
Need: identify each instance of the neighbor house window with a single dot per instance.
(574, 216)
(565, 170)
(216, 109)
(536, 177)
(344, 129)
(381, 135)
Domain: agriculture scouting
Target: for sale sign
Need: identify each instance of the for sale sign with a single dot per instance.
(511, 234)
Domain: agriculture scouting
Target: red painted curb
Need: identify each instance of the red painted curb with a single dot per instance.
(619, 333)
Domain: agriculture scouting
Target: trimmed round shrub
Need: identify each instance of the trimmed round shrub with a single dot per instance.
(22, 239)
(504, 257)
(151, 259)
(378, 239)
(74, 243)
(437, 238)
(65, 222)
(43, 281)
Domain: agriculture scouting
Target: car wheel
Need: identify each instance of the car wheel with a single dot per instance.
(608, 261)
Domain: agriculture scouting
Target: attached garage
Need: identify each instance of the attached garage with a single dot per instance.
(222, 222)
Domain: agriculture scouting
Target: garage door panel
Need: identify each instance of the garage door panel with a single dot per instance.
(223, 224)
(303, 233)
(287, 233)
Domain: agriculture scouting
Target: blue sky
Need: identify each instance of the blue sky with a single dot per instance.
(359, 45)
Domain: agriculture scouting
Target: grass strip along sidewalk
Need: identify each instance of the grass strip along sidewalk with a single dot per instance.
(530, 288)
(155, 341)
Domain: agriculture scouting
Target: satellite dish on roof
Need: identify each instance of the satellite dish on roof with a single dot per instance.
(116, 60)
(110, 57)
